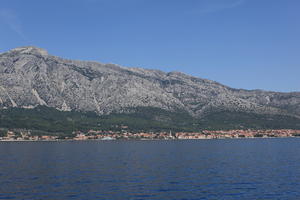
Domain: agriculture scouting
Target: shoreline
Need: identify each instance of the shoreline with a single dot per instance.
(99, 135)
(90, 140)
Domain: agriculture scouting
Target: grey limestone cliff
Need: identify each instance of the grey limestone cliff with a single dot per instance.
(29, 76)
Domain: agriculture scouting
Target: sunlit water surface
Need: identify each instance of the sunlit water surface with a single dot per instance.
(186, 169)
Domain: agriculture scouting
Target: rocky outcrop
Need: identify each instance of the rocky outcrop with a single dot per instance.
(29, 76)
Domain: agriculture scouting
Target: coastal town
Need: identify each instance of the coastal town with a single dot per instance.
(25, 135)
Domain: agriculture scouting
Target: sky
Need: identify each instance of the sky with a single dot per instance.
(250, 44)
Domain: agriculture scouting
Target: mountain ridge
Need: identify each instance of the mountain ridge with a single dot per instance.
(30, 77)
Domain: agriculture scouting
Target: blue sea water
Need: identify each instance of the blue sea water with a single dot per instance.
(185, 169)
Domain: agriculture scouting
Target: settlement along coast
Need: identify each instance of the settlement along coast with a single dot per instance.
(26, 135)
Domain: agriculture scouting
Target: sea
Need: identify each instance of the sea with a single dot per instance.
(160, 169)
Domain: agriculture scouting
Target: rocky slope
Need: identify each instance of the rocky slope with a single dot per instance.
(29, 77)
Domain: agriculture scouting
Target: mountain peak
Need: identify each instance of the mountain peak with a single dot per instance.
(27, 80)
(30, 50)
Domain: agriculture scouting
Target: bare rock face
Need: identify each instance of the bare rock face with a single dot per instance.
(29, 76)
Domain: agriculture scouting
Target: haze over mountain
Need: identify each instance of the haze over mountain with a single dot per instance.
(29, 77)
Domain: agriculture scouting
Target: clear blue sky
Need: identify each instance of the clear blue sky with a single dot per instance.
(251, 44)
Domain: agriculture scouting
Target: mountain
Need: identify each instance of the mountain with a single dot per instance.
(30, 77)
